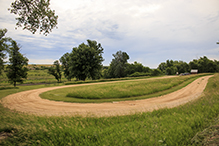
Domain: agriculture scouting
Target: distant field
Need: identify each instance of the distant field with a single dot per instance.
(36, 74)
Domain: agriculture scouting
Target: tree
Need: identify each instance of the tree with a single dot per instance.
(34, 15)
(56, 71)
(193, 64)
(171, 70)
(86, 61)
(3, 48)
(16, 70)
(156, 72)
(162, 67)
(118, 65)
(206, 65)
(65, 60)
(170, 67)
(97, 59)
(137, 67)
(181, 66)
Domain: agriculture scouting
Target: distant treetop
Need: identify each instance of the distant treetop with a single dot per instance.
(34, 15)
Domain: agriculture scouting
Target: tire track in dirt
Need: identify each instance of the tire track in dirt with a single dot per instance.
(31, 103)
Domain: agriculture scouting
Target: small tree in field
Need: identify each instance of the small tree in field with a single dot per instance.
(16, 70)
(56, 71)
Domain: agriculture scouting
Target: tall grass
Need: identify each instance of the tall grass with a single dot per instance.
(123, 89)
(174, 126)
(118, 91)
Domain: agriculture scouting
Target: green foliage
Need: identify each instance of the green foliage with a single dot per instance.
(137, 67)
(65, 60)
(3, 48)
(34, 15)
(156, 72)
(56, 71)
(139, 74)
(204, 65)
(16, 72)
(86, 61)
(118, 65)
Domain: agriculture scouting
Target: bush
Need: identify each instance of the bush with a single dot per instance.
(139, 74)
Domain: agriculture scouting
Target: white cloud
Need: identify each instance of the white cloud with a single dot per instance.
(41, 61)
(149, 31)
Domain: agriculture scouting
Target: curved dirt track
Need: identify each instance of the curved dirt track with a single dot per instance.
(31, 103)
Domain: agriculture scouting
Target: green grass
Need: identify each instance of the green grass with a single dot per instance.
(35, 77)
(176, 126)
(118, 91)
(208, 136)
(122, 89)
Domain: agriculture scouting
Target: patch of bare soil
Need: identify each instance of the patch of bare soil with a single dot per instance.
(4, 135)
(209, 137)
(30, 102)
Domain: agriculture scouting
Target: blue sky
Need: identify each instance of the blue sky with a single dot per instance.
(150, 31)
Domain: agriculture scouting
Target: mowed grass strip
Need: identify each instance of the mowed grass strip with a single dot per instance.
(129, 90)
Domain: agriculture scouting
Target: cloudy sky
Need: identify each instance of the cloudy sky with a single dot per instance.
(150, 31)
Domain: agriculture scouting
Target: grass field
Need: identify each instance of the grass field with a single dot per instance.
(131, 90)
(38, 74)
(176, 126)
(34, 77)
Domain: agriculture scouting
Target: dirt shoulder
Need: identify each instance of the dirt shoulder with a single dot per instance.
(31, 103)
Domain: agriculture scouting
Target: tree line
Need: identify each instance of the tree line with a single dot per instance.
(85, 62)
(203, 65)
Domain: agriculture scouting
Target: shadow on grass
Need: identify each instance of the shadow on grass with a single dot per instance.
(5, 88)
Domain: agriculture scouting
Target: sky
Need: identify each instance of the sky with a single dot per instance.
(149, 31)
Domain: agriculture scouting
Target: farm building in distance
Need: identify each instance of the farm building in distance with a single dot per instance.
(194, 71)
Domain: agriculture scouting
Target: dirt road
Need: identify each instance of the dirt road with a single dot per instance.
(31, 103)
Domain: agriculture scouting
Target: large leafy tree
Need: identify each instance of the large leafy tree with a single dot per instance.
(86, 60)
(16, 70)
(3, 48)
(56, 71)
(65, 60)
(181, 66)
(34, 15)
(193, 64)
(118, 65)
